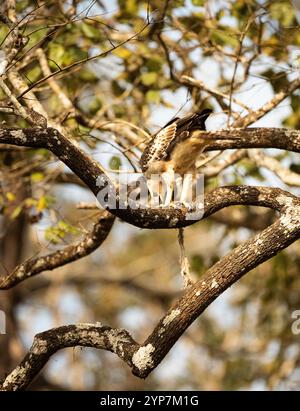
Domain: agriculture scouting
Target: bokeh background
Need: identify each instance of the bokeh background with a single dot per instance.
(244, 339)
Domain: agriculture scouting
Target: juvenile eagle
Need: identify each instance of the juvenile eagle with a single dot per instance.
(174, 150)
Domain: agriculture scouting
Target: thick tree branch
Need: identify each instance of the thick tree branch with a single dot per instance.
(280, 222)
(217, 279)
(256, 137)
(146, 357)
(89, 170)
(49, 342)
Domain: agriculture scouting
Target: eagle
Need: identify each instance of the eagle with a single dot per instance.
(174, 151)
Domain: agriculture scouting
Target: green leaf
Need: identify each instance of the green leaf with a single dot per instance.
(94, 105)
(224, 38)
(52, 236)
(128, 7)
(57, 233)
(149, 78)
(115, 163)
(198, 3)
(16, 212)
(154, 64)
(10, 196)
(37, 177)
(153, 96)
(88, 76)
(119, 110)
(34, 73)
(283, 12)
(123, 53)
(41, 204)
(90, 31)
(197, 263)
(56, 54)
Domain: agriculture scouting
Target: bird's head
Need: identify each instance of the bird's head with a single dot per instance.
(200, 118)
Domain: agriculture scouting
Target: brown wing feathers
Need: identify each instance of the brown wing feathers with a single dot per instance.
(174, 131)
(157, 148)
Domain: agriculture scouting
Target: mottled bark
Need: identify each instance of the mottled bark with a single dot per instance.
(143, 358)
(89, 170)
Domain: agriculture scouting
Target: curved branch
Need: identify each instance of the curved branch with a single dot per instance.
(90, 242)
(143, 359)
(49, 342)
(217, 279)
(89, 170)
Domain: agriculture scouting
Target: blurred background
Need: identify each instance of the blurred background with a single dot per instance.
(246, 49)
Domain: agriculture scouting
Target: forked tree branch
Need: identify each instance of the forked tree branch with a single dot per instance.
(144, 358)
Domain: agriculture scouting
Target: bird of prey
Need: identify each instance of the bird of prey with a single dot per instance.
(174, 150)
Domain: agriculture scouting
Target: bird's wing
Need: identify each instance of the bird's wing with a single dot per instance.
(171, 121)
(187, 125)
(157, 149)
(174, 132)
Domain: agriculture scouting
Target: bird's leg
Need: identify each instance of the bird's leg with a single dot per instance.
(186, 197)
(177, 188)
(168, 179)
(153, 185)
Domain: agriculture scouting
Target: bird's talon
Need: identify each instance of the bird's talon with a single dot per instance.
(183, 204)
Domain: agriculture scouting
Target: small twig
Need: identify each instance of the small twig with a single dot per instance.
(65, 101)
(230, 160)
(199, 84)
(239, 52)
(19, 108)
(184, 262)
(261, 160)
(270, 105)
(82, 61)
